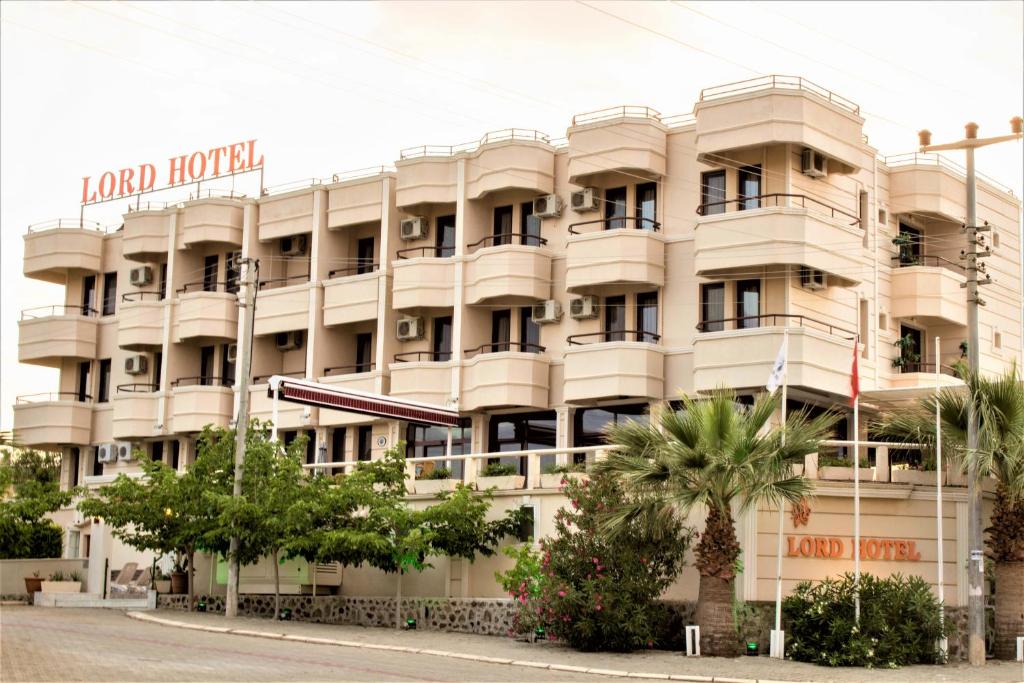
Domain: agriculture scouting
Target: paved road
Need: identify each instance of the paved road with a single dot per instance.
(40, 644)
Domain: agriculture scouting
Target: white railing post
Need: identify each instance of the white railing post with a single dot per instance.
(470, 468)
(532, 471)
(882, 471)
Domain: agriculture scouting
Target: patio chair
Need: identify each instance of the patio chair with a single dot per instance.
(124, 578)
(141, 584)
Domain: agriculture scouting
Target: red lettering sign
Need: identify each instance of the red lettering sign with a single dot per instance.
(830, 547)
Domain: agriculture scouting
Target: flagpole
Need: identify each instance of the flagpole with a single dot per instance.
(777, 646)
(856, 483)
(938, 495)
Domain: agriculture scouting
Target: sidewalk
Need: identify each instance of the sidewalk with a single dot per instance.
(649, 665)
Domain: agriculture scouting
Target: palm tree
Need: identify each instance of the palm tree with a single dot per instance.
(713, 452)
(999, 403)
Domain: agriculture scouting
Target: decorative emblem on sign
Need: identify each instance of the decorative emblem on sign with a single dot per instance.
(801, 513)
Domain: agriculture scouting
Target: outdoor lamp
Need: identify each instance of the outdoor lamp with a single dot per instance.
(410, 624)
(751, 649)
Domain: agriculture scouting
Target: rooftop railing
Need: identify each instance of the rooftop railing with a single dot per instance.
(939, 161)
(361, 173)
(780, 83)
(70, 223)
(504, 135)
(625, 111)
(52, 396)
(56, 310)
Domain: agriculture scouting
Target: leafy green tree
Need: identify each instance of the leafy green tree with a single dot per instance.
(32, 478)
(713, 452)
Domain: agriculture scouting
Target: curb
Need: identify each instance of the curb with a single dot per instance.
(140, 616)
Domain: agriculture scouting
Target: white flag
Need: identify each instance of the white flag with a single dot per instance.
(778, 370)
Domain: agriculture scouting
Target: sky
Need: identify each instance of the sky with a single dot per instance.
(86, 87)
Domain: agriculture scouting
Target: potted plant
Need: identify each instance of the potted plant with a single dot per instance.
(162, 581)
(59, 582)
(553, 476)
(904, 243)
(33, 584)
(840, 468)
(435, 480)
(909, 359)
(179, 574)
(500, 476)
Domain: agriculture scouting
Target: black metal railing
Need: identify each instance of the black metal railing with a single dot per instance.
(615, 223)
(204, 382)
(141, 296)
(773, 320)
(48, 396)
(355, 369)
(428, 252)
(908, 260)
(260, 379)
(613, 336)
(230, 287)
(360, 269)
(500, 347)
(929, 368)
(423, 356)
(275, 282)
(509, 238)
(138, 388)
(773, 199)
(59, 309)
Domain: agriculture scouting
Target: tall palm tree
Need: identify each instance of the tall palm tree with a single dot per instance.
(713, 452)
(999, 403)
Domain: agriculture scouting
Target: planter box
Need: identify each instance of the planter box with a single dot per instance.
(508, 483)
(798, 469)
(845, 473)
(915, 477)
(554, 481)
(435, 486)
(955, 478)
(179, 582)
(62, 586)
(162, 586)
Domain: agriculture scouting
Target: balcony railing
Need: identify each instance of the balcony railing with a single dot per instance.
(428, 252)
(500, 347)
(260, 379)
(359, 269)
(204, 382)
(626, 111)
(748, 322)
(230, 287)
(71, 223)
(508, 238)
(615, 223)
(919, 159)
(137, 388)
(59, 309)
(141, 296)
(930, 261)
(50, 396)
(764, 200)
(277, 282)
(613, 336)
(929, 368)
(423, 357)
(505, 135)
(360, 173)
(354, 369)
(777, 82)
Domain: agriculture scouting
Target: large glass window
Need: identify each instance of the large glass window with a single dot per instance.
(502, 225)
(426, 441)
(615, 208)
(210, 273)
(529, 331)
(750, 187)
(529, 225)
(589, 424)
(442, 338)
(109, 293)
(522, 432)
(647, 317)
(364, 352)
(712, 307)
(712, 192)
(445, 236)
(615, 318)
(501, 330)
(646, 205)
(364, 255)
(103, 395)
(748, 303)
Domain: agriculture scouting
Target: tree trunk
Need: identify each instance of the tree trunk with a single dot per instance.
(1009, 608)
(191, 569)
(277, 587)
(398, 601)
(716, 555)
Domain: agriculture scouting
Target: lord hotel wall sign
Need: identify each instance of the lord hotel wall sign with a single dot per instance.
(834, 548)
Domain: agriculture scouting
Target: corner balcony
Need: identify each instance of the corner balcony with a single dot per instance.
(144, 237)
(140, 322)
(774, 110)
(282, 305)
(357, 197)
(504, 374)
(932, 185)
(614, 251)
(50, 334)
(778, 229)
(52, 420)
(351, 296)
(421, 278)
(422, 376)
(289, 415)
(512, 159)
(929, 288)
(199, 401)
(426, 175)
(621, 139)
(366, 377)
(283, 215)
(206, 312)
(620, 364)
(212, 220)
(505, 267)
(55, 249)
(740, 353)
(137, 411)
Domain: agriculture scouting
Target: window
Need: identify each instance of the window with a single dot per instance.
(74, 462)
(175, 454)
(156, 451)
(912, 351)
(865, 320)
(74, 543)
(997, 339)
(364, 449)
(502, 225)
(909, 241)
(712, 307)
(338, 446)
(109, 293)
(647, 317)
(158, 361)
(210, 273)
(227, 367)
(589, 424)
(529, 225)
(83, 380)
(310, 447)
(748, 303)
(364, 256)
(615, 318)
(445, 236)
(364, 352)
(646, 206)
(443, 339)
(522, 432)
(750, 187)
(527, 524)
(89, 295)
(712, 192)
(501, 330)
(163, 281)
(97, 466)
(232, 271)
(615, 208)
(206, 366)
(103, 395)
(529, 331)
(426, 441)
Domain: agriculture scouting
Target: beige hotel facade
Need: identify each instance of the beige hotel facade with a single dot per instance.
(544, 288)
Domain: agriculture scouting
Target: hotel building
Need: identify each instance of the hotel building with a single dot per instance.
(545, 288)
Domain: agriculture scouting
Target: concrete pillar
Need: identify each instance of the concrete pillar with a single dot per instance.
(99, 549)
(882, 472)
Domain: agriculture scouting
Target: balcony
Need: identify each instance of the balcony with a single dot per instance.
(740, 353)
(357, 198)
(50, 334)
(621, 139)
(286, 214)
(776, 110)
(137, 411)
(206, 311)
(422, 376)
(199, 401)
(506, 267)
(289, 415)
(144, 237)
(213, 220)
(922, 375)
(619, 364)
(504, 374)
(140, 323)
(282, 305)
(779, 229)
(52, 420)
(928, 288)
(614, 251)
(351, 296)
(365, 377)
(935, 186)
(512, 159)
(426, 175)
(55, 249)
(421, 279)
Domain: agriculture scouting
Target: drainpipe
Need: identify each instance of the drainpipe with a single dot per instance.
(873, 310)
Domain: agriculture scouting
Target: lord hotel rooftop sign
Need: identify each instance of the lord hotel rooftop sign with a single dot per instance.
(218, 162)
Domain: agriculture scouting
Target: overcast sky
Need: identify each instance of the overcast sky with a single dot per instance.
(87, 87)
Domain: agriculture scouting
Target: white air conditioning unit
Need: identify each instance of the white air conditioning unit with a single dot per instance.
(813, 164)
(289, 341)
(123, 449)
(548, 206)
(812, 279)
(136, 365)
(408, 329)
(546, 312)
(232, 353)
(141, 276)
(294, 246)
(414, 228)
(585, 200)
(105, 453)
(583, 308)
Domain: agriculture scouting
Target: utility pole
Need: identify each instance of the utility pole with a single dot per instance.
(242, 419)
(975, 239)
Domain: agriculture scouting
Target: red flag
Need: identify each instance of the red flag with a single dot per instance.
(855, 373)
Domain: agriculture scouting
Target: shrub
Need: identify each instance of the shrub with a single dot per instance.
(565, 469)
(899, 622)
(20, 539)
(58, 575)
(498, 469)
(437, 473)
